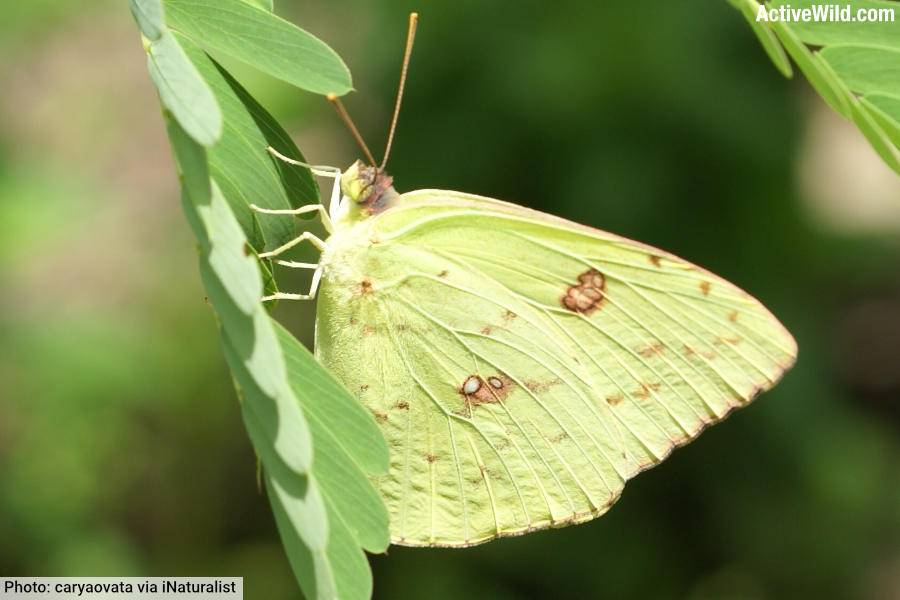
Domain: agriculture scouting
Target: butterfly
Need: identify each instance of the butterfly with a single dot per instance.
(522, 367)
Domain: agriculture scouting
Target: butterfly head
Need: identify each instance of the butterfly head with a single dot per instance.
(369, 188)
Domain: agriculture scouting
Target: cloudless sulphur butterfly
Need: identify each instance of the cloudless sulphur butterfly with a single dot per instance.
(522, 367)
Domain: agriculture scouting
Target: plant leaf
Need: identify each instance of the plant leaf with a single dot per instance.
(886, 111)
(348, 446)
(271, 413)
(825, 33)
(877, 136)
(310, 565)
(858, 58)
(811, 66)
(149, 16)
(183, 91)
(340, 570)
(865, 69)
(317, 479)
(765, 36)
(261, 39)
(233, 286)
(875, 72)
(246, 172)
(269, 5)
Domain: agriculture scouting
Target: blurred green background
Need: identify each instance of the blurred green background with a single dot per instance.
(121, 447)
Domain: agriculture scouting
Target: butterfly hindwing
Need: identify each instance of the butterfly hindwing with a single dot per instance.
(523, 367)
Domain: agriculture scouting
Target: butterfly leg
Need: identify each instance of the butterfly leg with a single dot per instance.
(326, 215)
(317, 275)
(306, 235)
(322, 171)
(320, 208)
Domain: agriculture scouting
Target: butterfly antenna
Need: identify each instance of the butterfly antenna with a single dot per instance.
(410, 38)
(345, 117)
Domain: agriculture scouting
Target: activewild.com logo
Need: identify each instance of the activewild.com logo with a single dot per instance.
(825, 13)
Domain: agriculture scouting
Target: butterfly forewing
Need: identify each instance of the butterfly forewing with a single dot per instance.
(523, 367)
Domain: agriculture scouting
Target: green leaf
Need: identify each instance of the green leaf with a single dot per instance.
(865, 69)
(875, 72)
(318, 446)
(886, 112)
(877, 136)
(348, 445)
(269, 5)
(858, 57)
(149, 16)
(299, 486)
(233, 286)
(325, 555)
(810, 65)
(246, 172)
(824, 33)
(183, 91)
(311, 565)
(262, 40)
(193, 169)
(352, 575)
(867, 124)
(765, 35)
(340, 570)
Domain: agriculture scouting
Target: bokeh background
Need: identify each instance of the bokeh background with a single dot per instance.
(121, 446)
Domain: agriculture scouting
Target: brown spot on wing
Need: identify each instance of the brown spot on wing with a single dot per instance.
(431, 458)
(558, 437)
(656, 348)
(656, 260)
(614, 399)
(538, 387)
(705, 286)
(722, 341)
(587, 295)
(368, 329)
(733, 316)
(403, 405)
(645, 389)
(365, 286)
(487, 330)
(478, 391)
(509, 316)
(380, 416)
(443, 273)
(488, 473)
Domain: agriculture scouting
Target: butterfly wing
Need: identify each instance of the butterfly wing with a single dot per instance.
(523, 367)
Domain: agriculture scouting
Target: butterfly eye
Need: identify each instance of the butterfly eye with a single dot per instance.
(471, 385)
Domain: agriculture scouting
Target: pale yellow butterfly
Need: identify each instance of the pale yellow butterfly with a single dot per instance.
(522, 367)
